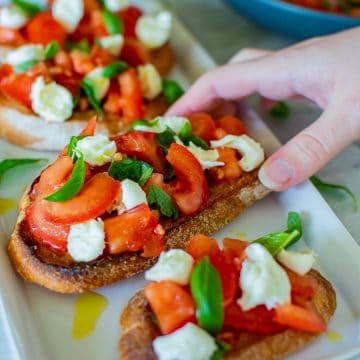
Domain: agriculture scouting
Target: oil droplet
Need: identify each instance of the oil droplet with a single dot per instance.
(333, 336)
(88, 308)
(7, 205)
(238, 234)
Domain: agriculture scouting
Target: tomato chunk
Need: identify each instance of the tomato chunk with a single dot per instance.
(299, 318)
(130, 15)
(172, 305)
(94, 199)
(134, 52)
(232, 125)
(132, 230)
(190, 188)
(231, 169)
(304, 286)
(10, 37)
(89, 129)
(234, 248)
(203, 126)
(201, 245)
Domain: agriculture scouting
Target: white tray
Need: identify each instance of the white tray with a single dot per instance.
(36, 324)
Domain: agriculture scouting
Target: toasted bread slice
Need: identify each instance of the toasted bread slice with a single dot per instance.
(138, 331)
(226, 201)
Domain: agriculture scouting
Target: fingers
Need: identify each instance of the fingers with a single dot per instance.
(247, 54)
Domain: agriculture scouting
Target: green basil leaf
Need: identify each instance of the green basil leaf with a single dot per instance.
(8, 164)
(161, 200)
(185, 132)
(112, 22)
(82, 45)
(51, 50)
(114, 69)
(197, 141)
(294, 222)
(172, 90)
(72, 145)
(222, 349)
(88, 88)
(73, 186)
(280, 110)
(170, 172)
(323, 186)
(165, 139)
(25, 66)
(142, 122)
(127, 168)
(29, 7)
(206, 289)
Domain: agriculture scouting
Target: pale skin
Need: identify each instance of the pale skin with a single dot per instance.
(325, 70)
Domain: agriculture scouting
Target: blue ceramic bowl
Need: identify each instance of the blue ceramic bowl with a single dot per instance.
(292, 20)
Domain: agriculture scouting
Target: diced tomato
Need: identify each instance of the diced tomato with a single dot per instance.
(43, 28)
(172, 305)
(131, 100)
(156, 179)
(190, 188)
(258, 320)
(10, 37)
(231, 169)
(89, 129)
(100, 56)
(304, 286)
(155, 242)
(84, 30)
(44, 231)
(70, 81)
(134, 52)
(130, 15)
(201, 245)
(232, 125)
(299, 318)
(97, 24)
(62, 58)
(143, 146)
(112, 103)
(131, 231)
(81, 62)
(203, 126)
(234, 248)
(94, 199)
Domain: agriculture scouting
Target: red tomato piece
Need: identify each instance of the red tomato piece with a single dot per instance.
(304, 286)
(70, 81)
(299, 318)
(231, 169)
(100, 56)
(130, 231)
(190, 188)
(172, 305)
(203, 126)
(134, 52)
(43, 28)
(234, 248)
(97, 24)
(89, 129)
(143, 146)
(130, 15)
(94, 199)
(11, 37)
(201, 245)
(232, 125)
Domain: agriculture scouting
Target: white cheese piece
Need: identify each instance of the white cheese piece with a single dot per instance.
(190, 342)
(154, 30)
(132, 194)
(252, 152)
(68, 13)
(13, 17)
(96, 150)
(262, 280)
(52, 102)
(116, 5)
(112, 43)
(25, 53)
(100, 83)
(86, 241)
(150, 81)
(174, 265)
(175, 123)
(206, 158)
(299, 262)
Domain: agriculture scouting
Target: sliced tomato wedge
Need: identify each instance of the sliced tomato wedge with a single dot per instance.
(190, 188)
(304, 286)
(203, 126)
(94, 199)
(43, 28)
(11, 37)
(143, 146)
(231, 169)
(201, 245)
(130, 15)
(132, 230)
(232, 125)
(172, 305)
(134, 52)
(299, 318)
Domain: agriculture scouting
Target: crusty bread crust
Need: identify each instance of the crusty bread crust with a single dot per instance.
(138, 331)
(225, 203)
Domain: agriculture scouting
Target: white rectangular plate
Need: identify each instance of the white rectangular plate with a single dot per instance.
(37, 324)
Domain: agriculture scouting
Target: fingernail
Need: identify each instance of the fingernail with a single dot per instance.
(276, 174)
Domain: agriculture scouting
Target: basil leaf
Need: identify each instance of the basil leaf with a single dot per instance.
(114, 69)
(185, 132)
(165, 139)
(142, 122)
(323, 186)
(172, 90)
(280, 110)
(72, 145)
(206, 289)
(294, 222)
(197, 141)
(29, 7)
(112, 23)
(161, 200)
(51, 50)
(8, 164)
(82, 45)
(88, 88)
(222, 349)
(25, 66)
(73, 186)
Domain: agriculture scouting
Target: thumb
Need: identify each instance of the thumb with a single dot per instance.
(308, 151)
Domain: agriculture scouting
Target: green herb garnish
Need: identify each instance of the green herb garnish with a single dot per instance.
(323, 186)
(159, 199)
(82, 45)
(172, 90)
(72, 145)
(112, 23)
(185, 132)
(280, 110)
(206, 289)
(73, 186)
(142, 122)
(25, 66)
(8, 164)
(222, 349)
(89, 90)
(196, 141)
(165, 139)
(51, 50)
(114, 69)
(29, 7)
